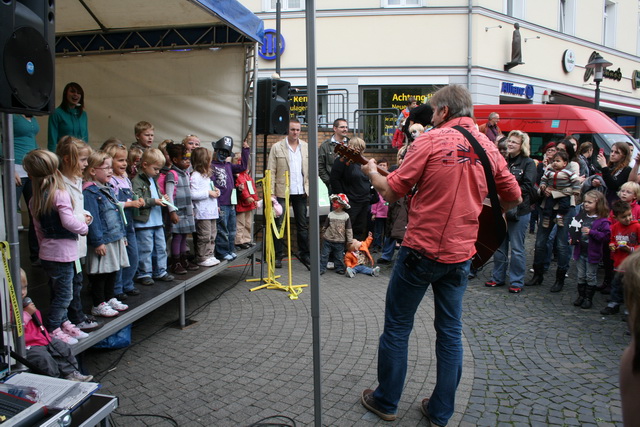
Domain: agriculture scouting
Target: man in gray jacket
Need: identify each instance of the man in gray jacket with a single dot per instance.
(326, 155)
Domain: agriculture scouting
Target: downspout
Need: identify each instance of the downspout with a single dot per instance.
(469, 58)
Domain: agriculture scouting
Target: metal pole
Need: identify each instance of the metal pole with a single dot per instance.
(10, 212)
(314, 221)
(278, 17)
(597, 98)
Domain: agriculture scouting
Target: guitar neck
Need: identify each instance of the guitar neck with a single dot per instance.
(353, 156)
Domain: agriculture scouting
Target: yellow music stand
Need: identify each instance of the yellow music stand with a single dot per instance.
(269, 256)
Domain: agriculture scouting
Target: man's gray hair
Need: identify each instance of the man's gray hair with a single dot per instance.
(457, 98)
(493, 115)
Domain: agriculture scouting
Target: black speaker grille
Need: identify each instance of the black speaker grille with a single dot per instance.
(28, 66)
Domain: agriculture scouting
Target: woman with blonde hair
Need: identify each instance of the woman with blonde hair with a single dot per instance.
(523, 169)
(350, 180)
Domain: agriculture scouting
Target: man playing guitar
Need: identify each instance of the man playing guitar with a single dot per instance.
(437, 249)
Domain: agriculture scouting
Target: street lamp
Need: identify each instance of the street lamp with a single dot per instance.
(598, 63)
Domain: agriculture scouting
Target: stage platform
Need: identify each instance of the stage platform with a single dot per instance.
(150, 298)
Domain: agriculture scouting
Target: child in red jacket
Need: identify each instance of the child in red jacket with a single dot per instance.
(625, 239)
(247, 204)
(359, 260)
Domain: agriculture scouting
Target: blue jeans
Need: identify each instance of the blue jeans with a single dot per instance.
(587, 272)
(124, 276)
(152, 252)
(363, 269)
(76, 314)
(61, 285)
(516, 232)
(389, 248)
(561, 240)
(407, 286)
(378, 232)
(226, 228)
(337, 250)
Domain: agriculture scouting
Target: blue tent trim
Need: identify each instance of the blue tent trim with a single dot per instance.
(236, 16)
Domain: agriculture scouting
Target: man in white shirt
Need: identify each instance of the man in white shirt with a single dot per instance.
(292, 155)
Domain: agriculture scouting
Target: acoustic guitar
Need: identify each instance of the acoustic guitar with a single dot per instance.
(491, 231)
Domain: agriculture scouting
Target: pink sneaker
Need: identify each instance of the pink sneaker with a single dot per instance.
(73, 331)
(59, 334)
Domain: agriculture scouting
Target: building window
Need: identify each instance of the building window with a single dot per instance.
(401, 3)
(515, 8)
(567, 14)
(609, 23)
(270, 5)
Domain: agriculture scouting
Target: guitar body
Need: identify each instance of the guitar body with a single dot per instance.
(491, 234)
(492, 228)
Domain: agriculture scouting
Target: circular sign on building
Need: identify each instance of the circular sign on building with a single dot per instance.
(269, 45)
(568, 60)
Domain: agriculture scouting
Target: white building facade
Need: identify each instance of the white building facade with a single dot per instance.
(377, 53)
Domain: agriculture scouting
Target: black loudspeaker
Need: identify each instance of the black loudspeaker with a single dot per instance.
(272, 116)
(27, 49)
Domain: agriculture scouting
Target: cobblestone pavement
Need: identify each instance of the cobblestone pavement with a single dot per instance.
(530, 359)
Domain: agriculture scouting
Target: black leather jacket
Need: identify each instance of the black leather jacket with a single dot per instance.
(524, 170)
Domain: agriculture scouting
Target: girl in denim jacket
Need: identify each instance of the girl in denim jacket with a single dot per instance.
(107, 252)
(57, 230)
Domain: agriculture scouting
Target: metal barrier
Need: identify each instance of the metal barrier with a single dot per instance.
(376, 126)
(332, 105)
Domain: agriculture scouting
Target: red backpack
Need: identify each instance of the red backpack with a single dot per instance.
(162, 182)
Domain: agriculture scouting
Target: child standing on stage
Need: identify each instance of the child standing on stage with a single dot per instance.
(336, 233)
(359, 260)
(152, 246)
(73, 154)
(625, 239)
(589, 231)
(178, 191)
(247, 204)
(121, 184)
(205, 207)
(379, 212)
(107, 252)
(57, 230)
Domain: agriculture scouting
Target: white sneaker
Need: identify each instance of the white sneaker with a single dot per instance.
(77, 376)
(350, 272)
(104, 310)
(330, 265)
(376, 272)
(117, 305)
(209, 262)
(59, 334)
(73, 331)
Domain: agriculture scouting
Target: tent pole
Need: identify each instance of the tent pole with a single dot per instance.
(10, 213)
(314, 221)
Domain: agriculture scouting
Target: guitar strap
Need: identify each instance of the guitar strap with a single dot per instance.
(488, 173)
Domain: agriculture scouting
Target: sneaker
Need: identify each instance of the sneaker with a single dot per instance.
(104, 310)
(376, 272)
(210, 262)
(234, 255)
(73, 331)
(383, 261)
(117, 305)
(228, 257)
(608, 310)
(146, 281)
(133, 292)
(330, 265)
(369, 402)
(62, 336)
(350, 272)
(166, 278)
(493, 284)
(515, 289)
(278, 263)
(341, 272)
(77, 376)
(88, 323)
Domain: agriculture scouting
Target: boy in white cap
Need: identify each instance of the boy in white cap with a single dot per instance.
(337, 233)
